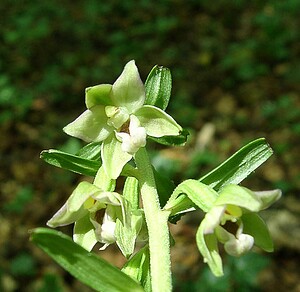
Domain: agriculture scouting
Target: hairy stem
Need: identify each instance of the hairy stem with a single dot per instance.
(157, 223)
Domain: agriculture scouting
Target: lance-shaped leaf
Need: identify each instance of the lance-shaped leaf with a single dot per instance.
(85, 266)
(158, 87)
(71, 162)
(239, 165)
(127, 232)
(90, 151)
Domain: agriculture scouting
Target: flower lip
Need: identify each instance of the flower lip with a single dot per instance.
(135, 139)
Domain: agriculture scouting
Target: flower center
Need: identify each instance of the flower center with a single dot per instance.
(99, 216)
(125, 127)
(231, 227)
(117, 116)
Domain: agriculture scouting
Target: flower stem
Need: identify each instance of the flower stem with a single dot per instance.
(157, 223)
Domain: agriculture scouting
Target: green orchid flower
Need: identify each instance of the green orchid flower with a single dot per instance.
(98, 215)
(232, 221)
(117, 116)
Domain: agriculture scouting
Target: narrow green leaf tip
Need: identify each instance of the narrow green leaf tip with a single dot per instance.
(85, 266)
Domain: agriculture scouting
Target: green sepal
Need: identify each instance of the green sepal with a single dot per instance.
(178, 140)
(83, 265)
(84, 234)
(208, 246)
(90, 126)
(256, 227)
(157, 122)
(138, 268)
(71, 162)
(73, 209)
(239, 196)
(158, 87)
(128, 90)
(98, 95)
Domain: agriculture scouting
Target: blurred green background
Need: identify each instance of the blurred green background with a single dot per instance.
(236, 77)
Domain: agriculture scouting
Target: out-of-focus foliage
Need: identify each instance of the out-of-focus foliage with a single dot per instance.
(236, 277)
(236, 77)
(51, 50)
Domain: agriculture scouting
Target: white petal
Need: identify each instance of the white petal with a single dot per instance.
(268, 197)
(136, 138)
(213, 219)
(239, 246)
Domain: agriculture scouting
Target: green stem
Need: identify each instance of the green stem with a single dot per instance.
(157, 223)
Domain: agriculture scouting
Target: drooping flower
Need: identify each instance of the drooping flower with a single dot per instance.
(94, 213)
(232, 221)
(117, 116)
(99, 216)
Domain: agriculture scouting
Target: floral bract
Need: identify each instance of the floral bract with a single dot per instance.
(117, 116)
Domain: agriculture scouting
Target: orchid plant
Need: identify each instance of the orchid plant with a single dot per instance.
(119, 120)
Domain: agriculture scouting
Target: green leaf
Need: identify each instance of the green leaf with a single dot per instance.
(103, 182)
(164, 186)
(85, 266)
(158, 87)
(179, 140)
(90, 151)
(98, 95)
(237, 167)
(71, 162)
